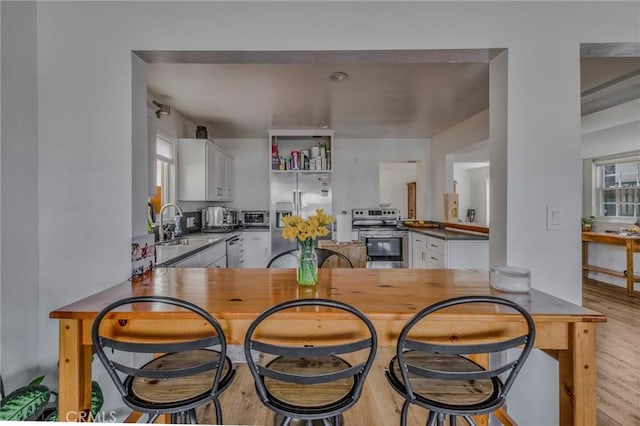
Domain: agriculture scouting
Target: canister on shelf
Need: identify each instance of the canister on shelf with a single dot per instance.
(304, 159)
(295, 160)
(315, 151)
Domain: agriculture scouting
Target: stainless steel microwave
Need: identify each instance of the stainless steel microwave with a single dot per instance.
(255, 218)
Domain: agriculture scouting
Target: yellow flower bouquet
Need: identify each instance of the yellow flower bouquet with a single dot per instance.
(305, 232)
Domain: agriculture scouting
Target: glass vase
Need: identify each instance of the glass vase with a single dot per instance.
(307, 265)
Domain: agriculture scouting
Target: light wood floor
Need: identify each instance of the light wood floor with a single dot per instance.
(618, 382)
(617, 353)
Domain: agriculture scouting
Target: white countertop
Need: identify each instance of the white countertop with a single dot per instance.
(196, 242)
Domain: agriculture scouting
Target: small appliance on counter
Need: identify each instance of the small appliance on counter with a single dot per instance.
(255, 218)
(219, 219)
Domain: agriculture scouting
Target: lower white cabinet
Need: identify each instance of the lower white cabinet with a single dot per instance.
(213, 256)
(220, 263)
(436, 253)
(192, 261)
(256, 249)
(418, 250)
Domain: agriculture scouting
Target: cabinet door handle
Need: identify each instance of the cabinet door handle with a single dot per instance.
(433, 258)
(422, 255)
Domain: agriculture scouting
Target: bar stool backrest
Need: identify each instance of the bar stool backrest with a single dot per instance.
(510, 368)
(211, 336)
(357, 347)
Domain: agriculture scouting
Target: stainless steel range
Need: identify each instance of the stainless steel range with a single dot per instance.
(387, 244)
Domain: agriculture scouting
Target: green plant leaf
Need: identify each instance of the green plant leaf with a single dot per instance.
(25, 403)
(36, 381)
(52, 417)
(97, 399)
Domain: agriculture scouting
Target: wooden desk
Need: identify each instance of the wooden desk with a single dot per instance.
(632, 245)
(389, 297)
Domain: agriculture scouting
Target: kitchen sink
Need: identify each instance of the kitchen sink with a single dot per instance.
(178, 242)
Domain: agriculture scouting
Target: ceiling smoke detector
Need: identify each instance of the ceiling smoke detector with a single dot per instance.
(338, 76)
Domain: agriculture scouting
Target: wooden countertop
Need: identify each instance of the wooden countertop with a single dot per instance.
(380, 293)
(610, 238)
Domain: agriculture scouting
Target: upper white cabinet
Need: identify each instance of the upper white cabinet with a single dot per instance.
(205, 173)
(229, 177)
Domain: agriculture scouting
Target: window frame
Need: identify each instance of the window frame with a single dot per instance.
(621, 199)
(167, 166)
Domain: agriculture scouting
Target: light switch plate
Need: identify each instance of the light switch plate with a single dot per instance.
(554, 217)
(191, 222)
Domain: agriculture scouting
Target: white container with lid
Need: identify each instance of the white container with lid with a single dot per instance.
(510, 279)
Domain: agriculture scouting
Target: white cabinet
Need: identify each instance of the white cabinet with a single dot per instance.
(418, 251)
(213, 255)
(256, 249)
(468, 254)
(229, 178)
(437, 253)
(192, 261)
(298, 150)
(205, 173)
(220, 263)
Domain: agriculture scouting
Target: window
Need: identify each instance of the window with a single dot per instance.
(619, 187)
(165, 174)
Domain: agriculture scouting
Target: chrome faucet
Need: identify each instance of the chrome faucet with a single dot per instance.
(160, 229)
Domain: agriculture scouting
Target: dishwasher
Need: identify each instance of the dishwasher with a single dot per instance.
(234, 252)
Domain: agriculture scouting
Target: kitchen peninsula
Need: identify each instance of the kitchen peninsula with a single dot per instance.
(389, 297)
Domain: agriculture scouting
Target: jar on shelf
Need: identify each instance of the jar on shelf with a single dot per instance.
(201, 132)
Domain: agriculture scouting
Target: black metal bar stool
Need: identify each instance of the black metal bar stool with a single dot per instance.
(438, 375)
(190, 373)
(300, 380)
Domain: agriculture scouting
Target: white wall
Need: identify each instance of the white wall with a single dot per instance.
(444, 147)
(394, 177)
(478, 189)
(471, 187)
(357, 163)
(19, 283)
(84, 120)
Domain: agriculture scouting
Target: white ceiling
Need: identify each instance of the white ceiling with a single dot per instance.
(389, 94)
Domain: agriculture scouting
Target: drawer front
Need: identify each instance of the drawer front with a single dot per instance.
(435, 258)
(435, 245)
(210, 255)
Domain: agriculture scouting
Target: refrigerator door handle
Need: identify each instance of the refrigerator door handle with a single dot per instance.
(299, 200)
(295, 204)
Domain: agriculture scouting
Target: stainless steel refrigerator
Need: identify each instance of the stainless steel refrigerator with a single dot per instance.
(300, 194)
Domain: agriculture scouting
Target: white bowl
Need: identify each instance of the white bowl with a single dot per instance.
(510, 279)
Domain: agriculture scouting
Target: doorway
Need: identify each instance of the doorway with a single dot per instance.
(395, 179)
